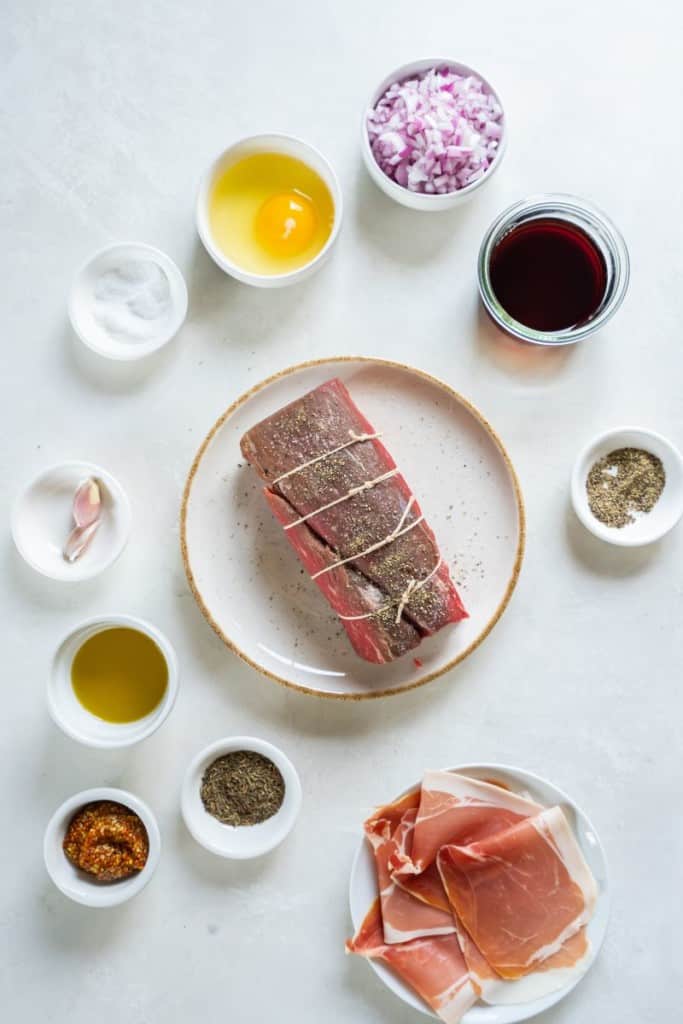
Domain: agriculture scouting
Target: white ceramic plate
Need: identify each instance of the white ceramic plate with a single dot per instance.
(248, 581)
(363, 890)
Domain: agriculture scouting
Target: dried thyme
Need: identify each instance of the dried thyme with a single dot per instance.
(623, 484)
(242, 788)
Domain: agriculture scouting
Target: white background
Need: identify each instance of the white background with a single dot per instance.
(108, 115)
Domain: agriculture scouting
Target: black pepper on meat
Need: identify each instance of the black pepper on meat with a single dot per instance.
(341, 525)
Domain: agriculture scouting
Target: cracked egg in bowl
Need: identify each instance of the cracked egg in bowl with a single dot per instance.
(269, 210)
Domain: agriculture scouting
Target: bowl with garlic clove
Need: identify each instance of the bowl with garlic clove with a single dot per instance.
(72, 521)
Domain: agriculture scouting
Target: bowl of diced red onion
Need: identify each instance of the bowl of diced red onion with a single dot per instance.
(433, 133)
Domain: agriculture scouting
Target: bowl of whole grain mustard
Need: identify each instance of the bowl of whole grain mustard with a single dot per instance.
(102, 847)
(241, 797)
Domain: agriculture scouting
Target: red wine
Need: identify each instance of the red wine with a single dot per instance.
(548, 274)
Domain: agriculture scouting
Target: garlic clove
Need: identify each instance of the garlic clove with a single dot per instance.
(87, 504)
(78, 541)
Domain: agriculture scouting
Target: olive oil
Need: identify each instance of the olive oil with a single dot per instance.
(119, 675)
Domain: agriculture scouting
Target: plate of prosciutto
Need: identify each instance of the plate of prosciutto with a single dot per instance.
(329, 566)
(479, 895)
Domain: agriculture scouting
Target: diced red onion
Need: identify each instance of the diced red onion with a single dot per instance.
(437, 132)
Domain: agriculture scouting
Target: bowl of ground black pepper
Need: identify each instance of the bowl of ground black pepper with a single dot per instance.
(102, 847)
(627, 486)
(241, 797)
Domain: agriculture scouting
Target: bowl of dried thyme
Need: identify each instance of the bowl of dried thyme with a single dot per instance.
(241, 797)
(627, 486)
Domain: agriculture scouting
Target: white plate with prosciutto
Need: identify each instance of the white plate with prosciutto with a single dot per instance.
(479, 895)
(329, 566)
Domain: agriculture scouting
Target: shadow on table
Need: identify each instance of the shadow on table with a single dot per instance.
(519, 360)
(367, 988)
(42, 592)
(111, 376)
(80, 767)
(221, 872)
(604, 559)
(242, 314)
(86, 931)
(409, 237)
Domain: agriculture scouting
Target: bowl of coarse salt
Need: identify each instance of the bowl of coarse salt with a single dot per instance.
(128, 301)
(433, 133)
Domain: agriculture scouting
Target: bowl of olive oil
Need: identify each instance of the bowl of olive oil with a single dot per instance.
(114, 681)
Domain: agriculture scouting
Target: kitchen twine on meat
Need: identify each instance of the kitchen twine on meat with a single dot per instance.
(413, 585)
(345, 497)
(355, 438)
(394, 535)
(399, 531)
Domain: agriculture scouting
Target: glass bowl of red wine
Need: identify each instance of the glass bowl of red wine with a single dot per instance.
(552, 269)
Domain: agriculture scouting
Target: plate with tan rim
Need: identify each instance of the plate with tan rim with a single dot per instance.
(248, 581)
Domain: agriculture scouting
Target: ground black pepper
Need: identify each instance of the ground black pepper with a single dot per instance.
(623, 483)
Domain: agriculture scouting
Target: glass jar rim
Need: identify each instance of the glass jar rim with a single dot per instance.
(561, 206)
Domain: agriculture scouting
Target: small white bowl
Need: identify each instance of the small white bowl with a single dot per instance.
(78, 723)
(273, 142)
(245, 841)
(419, 200)
(42, 520)
(667, 511)
(82, 302)
(78, 885)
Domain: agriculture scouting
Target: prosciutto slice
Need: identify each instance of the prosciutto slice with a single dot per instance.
(522, 894)
(547, 976)
(433, 967)
(403, 917)
(484, 880)
(354, 522)
(454, 809)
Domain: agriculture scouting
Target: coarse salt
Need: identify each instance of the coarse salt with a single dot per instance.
(132, 301)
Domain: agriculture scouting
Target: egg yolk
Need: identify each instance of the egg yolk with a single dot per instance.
(285, 224)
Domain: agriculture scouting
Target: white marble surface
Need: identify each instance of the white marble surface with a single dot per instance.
(108, 115)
